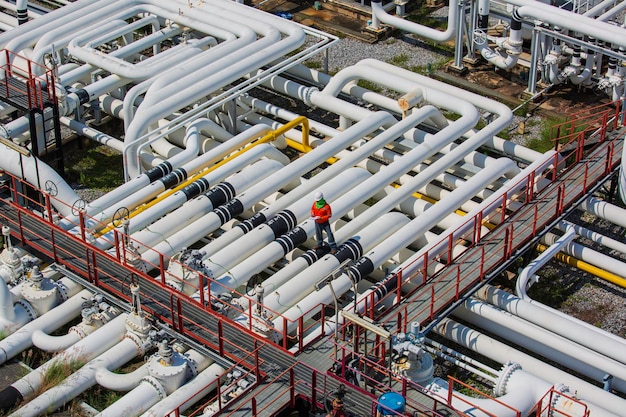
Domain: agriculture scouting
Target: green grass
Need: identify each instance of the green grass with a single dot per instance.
(94, 166)
(369, 85)
(543, 142)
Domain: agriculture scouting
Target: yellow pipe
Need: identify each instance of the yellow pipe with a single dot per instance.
(600, 273)
(269, 137)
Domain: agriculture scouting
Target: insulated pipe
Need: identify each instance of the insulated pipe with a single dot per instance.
(303, 284)
(248, 250)
(543, 342)
(379, 13)
(156, 177)
(195, 207)
(84, 350)
(568, 327)
(386, 249)
(224, 213)
(82, 379)
(528, 272)
(15, 343)
(190, 393)
(391, 133)
(503, 353)
(93, 134)
(22, 11)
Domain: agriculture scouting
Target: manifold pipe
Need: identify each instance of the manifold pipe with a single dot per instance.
(504, 118)
(321, 178)
(356, 195)
(121, 382)
(156, 177)
(543, 342)
(527, 273)
(472, 339)
(82, 379)
(195, 86)
(302, 284)
(187, 395)
(93, 134)
(22, 11)
(569, 327)
(53, 319)
(386, 249)
(378, 12)
(187, 203)
(84, 350)
(248, 250)
(415, 263)
(224, 213)
(157, 384)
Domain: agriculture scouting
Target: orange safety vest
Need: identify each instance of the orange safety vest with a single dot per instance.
(323, 214)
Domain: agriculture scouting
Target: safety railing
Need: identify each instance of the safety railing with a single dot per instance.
(35, 83)
(547, 405)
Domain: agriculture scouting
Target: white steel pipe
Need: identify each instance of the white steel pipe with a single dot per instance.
(500, 352)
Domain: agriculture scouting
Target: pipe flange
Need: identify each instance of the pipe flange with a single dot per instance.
(32, 313)
(505, 374)
(558, 389)
(156, 385)
(307, 94)
(62, 291)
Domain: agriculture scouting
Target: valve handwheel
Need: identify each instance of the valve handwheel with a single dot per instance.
(78, 206)
(51, 188)
(119, 216)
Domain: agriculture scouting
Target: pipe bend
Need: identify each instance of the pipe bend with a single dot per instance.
(49, 343)
(121, 382)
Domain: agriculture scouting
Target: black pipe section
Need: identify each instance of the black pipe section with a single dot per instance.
(22, 16)
(247, 225)
(351, 249)
(361, 268)
(159, 171)
(220, 194)
(229, 210)
(9, 398)
(83, 95)
(516, 21)
(196, 188)
(483, 22)
(174, 178)
(292, 238)
(282, 222)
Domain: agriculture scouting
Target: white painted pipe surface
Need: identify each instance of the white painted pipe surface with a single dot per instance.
(612, 405)
(543, 342)
(84, 350)
(53, 319)
(188, 394)
(569, 327)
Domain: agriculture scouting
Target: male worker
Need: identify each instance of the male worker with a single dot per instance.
(321, 213)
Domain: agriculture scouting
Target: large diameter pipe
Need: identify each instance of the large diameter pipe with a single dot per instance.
(612, 405)
(188, 394)
(543, 342)
(224, 213)
(385, 250)
(568, 327)
(84, 350)
(53, 319)
(81, 380)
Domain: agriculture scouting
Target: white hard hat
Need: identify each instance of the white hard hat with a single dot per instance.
(318, 196)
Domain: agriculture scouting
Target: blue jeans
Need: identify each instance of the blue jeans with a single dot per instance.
(319, 227)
